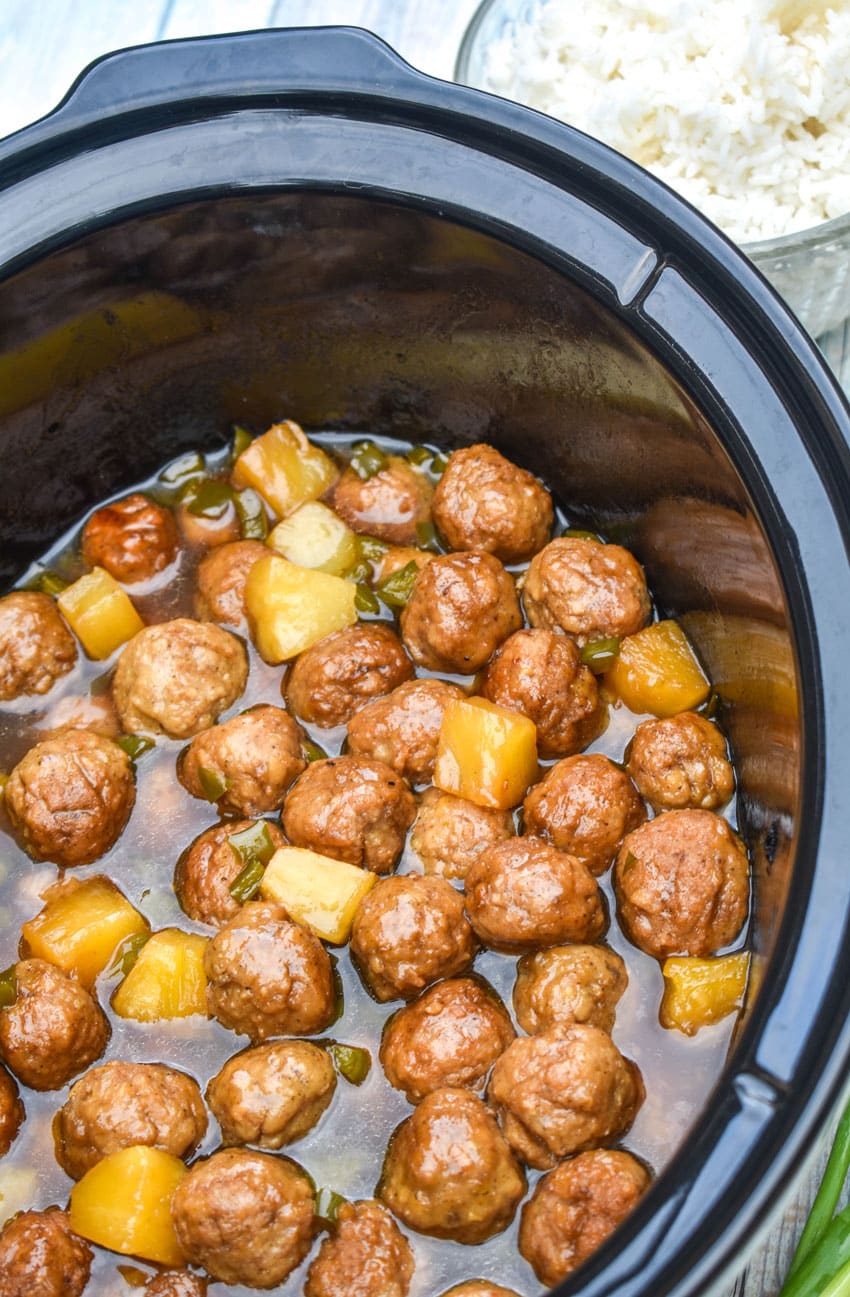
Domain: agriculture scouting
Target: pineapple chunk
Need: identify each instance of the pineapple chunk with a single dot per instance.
(315, 537)
(124, 1203)
(292, 607)
(698, 992)
(81, 927)
(99, 613)
(321, 893)
(167, 980)
(285, 468)
(657, 671)
(486, 753)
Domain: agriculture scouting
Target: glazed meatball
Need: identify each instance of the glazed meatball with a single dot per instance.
(450, 833)
(36, 647)
(451, 1036)
(133, 539)
(120, 1104)
(273, 1094)
(449, 1172)
(483, 501)
(586, 589)
(575, 1207)
(563, 1091)
(569, 984)
(208, 866)
(681, 762)
(410, 931)
(479, 1288)
(390, 505)
(344, 671)
(523, 893)
(176, 677)
(220, 581)
(11, 1111)
(402, 729)
(682, 884)
(41, 1257)
(245, 1217)
(366, 1255)
(54, 1029)
(70, 797)
(351, 809)
(584, 805)
(268, 976)
(255, 755)
(461, 608)
(175, 1283)
(540, 674)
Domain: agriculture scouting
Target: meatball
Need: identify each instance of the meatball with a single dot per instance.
(589, 590)
(450, 833)
(11, 1111)
(367, 1255)
(449, 1172)
(36, 647)
(268, 976)
(71, 796)
(273, 1094)
(461, 608)
(53, 1030)
(452, 1035)
(220, 581)
(479, 1288)
(208, 866)
(682, 884)
(410, 931)
(569, 984)
(175, 1283)
(680, 762)
(523, 893)
(563, 1091)
(351, 809)
(344, 671)
(133, 538)
(402, 729)
(176, 677)
(540, 674)
(245, 1217)
(255, 755)
(574, 1209)
(389, 505)
(41, 1257)
(483, 501)
(584, 805)
(120, 1104)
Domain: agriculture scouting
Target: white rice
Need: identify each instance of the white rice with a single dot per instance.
(750, 123)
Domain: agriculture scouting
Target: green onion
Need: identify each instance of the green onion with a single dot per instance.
(135, 745)
(50, 583)
(827, 1196)
(439, 464)
(601, 654)
(253, 520)
(253, 843)
(368, 460)
(398, 587)
(579, 533)
(179, 470)
(351, 1061)
(426, 537)
(419, 455)
(372, 549)
(312, 751)
(8, 987)
(213, 784)
(328, 1203)
(127, 954)
(211, 500)
(242, 439)
(246, 884)
(365, 600)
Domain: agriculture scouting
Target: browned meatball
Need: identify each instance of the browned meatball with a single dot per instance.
(175, 678)
(255, 755)
(450, 833)
(36, 647)
(11, 1111)
(120, 1104)
(523, 893)
(208, 866)
(245, 1217)
(41, 1257)
(449, 1172)
(479, 1288)
(402, 729)
(452, 1035)
(351, 809)
(574, 1209)
(366, 1255)
(71, 796)
(268, 976)
(217, 525)
(681, 761)
(540, 674)
(410, 931)
(584, 805)
(390, 505)
(344, 671)
(220, 581)
(175, 1283)
(53, 1030)
(563, 1091)
(272, 1094)
(569, 984)
(461, 608)
(589, 590)
(682, 884)
(133, 538)
(483, 501)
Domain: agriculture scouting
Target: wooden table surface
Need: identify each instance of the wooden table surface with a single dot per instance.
(44, 44)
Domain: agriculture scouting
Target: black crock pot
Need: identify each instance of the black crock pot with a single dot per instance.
(296, 223)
